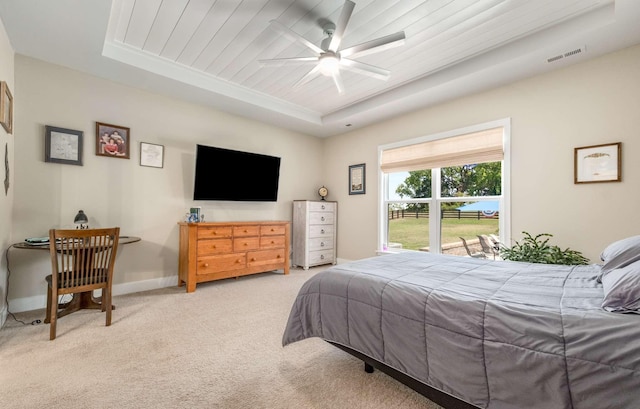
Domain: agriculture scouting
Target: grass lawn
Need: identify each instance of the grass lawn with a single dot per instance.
(413, 233)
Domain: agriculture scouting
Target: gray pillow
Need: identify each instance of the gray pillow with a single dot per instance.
(622, 289)
(621, 253)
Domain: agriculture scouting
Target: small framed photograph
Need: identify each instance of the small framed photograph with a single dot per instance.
(151, 155)
(6, 107)
(357, 179)
(62, 145)
(598, 163)
(112, 140)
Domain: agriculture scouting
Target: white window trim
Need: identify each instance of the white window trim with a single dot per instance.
(434, 228)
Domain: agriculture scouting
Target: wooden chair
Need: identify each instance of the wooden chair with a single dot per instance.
(477, 254)
(81, 261)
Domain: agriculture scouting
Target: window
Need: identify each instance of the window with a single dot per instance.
(440, 189)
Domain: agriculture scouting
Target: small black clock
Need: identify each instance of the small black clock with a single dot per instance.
(323, 192)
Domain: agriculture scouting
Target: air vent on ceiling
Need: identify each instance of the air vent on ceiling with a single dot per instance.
(567, 54)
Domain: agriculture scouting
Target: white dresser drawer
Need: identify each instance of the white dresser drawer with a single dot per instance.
(321, 231)
(321, 207)
(320, 244)
(321, 257)
(321, 218)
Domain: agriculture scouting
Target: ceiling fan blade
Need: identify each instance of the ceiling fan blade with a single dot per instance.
(278, 26)
(341, 26)
(337, 79)
(374, 46)
(366, 69)
(278, 62)
(315, 71)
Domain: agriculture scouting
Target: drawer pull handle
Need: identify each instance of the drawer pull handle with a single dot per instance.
(206, 264)
(245, 244)
(322, 207)
(253, 259)
(278, 256)
(322, 244)
(273, 242)
(322, 257)
(214, 246)
(238, 261)
(322, 231)
(272, 230)
(322, 218)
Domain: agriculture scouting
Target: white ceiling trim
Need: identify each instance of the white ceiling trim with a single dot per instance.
(170, 69)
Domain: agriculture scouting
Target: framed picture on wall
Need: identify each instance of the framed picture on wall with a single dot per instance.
(62, 146)
(151, 155)
(6, 107)
(357, 179)
(112, 140)
(598, 163)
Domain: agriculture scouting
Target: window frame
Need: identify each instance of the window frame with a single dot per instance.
(436, 200)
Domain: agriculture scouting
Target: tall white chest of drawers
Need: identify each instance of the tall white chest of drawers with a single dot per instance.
(314, 233)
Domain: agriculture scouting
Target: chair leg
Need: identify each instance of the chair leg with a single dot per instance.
(106, 304)
(52, 297)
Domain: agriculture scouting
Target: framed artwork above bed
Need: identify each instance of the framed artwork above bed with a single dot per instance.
(598, 163)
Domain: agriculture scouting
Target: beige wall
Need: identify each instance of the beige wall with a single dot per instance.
(586, 104)
(6, 141)
(143, 201)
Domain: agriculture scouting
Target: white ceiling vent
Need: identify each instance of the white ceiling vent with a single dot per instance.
(567, 54)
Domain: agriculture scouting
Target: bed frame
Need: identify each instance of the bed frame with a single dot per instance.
(441, 398)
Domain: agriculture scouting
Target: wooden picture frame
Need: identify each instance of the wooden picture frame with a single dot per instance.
(62, 146)
(6, 107)
(357, 179)
(112, 140)
(598, 163)
(151, 155)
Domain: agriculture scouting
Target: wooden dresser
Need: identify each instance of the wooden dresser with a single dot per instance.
(213, 251)
(314, 232)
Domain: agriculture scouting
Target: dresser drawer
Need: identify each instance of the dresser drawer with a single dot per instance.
(257, 258)
(321, 231)
(271, 242)
(321, 218)
(272, 230)
(321, 207)
(246, 243)
(226, 262)
(243, 231)
(320, 244)
(214, 246)
(321, 257)
(214, 232)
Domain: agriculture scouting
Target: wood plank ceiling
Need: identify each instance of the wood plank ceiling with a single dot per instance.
(224, 39)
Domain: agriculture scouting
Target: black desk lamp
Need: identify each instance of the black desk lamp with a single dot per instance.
(81, 220)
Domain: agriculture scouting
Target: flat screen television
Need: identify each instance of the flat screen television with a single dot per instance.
(225, 174)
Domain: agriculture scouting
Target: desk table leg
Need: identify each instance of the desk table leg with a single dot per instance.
(79, 301)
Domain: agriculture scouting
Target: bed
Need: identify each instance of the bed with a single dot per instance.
(480, 333)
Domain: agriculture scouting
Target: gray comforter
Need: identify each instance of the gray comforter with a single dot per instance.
(496, 334)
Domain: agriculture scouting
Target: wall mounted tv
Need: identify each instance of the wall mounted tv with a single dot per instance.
(224, 174)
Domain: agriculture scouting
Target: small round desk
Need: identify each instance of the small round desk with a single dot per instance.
(79, 301)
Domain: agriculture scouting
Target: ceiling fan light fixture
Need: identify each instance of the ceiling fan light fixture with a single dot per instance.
(329, 63)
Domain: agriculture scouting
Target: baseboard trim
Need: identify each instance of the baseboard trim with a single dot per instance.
(38, 302)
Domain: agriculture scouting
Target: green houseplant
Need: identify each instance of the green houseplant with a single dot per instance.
(538, 250)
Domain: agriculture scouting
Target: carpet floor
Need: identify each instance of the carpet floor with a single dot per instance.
(219, 347)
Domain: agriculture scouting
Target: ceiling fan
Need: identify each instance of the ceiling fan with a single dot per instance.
(330, 58)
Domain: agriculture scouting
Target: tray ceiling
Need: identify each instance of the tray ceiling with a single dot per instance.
(452, 47)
